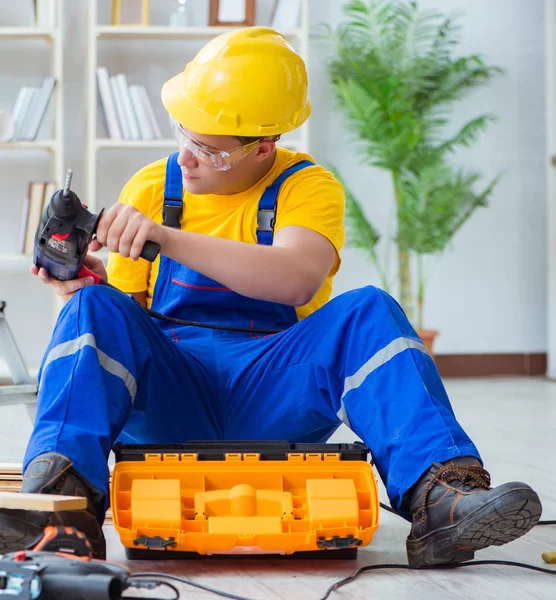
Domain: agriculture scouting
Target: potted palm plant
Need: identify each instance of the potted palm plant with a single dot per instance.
(395, 77)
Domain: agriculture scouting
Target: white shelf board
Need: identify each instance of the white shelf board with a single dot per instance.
(166, 32)
(15, 262)
(110, 143)
(34, 145)
(168, 143)
(27, 33)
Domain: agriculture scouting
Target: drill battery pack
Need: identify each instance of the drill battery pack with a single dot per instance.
(237, 498)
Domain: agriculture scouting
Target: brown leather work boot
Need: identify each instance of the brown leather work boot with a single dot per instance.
(51, 473)
(455, 512)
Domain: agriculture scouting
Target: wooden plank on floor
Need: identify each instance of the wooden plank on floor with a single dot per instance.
(10, 469)
(10, 482)
(46, 502)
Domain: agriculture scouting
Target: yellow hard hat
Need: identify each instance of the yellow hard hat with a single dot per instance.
(248, 82)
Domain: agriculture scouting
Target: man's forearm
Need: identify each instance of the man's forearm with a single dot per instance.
(264, 272)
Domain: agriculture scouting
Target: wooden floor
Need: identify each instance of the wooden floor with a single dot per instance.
(513, 422)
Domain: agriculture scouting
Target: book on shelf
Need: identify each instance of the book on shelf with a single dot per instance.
(29, 109)
(127, 110)
(149, 111)
(122, 88)
(33, 206)
(145, 131)
(45, 13)
(108, 103)
(286, 14)
(20, 107)
(120, 110)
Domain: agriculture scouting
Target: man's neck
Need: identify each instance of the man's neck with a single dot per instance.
(254, 176)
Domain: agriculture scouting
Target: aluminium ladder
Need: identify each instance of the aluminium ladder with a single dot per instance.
(24, 389)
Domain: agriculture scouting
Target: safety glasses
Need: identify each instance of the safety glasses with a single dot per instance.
(221, 160)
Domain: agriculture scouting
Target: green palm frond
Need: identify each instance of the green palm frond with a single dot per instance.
(415, 33)
(437, 202)
(394, 78)
(363, 234)
(468, 134)
(369, 25)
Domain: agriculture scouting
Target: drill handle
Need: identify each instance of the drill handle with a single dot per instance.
(150, 251)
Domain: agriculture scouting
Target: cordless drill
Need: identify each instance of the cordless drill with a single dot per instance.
(64, 234)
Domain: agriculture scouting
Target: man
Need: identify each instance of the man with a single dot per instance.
(250, 236)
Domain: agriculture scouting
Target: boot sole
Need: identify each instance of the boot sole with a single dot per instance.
(502, 520)
(16, 534)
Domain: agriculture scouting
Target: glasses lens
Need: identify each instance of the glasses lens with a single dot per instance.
(219, 160)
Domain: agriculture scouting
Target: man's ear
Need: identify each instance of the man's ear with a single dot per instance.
(265, 149)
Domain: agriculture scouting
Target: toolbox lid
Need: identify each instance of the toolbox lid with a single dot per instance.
(244, 497)
(218, 450)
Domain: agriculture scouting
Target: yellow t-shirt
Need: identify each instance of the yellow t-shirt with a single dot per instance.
(310, 198)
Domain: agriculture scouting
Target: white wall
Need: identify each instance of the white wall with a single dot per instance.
(487, 294)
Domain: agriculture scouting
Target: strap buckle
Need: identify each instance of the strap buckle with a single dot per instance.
(172, 211)
(266, 219)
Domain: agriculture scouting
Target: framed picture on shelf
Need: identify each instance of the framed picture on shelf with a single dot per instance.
(230, 13)
(286, 14)
(130, 12)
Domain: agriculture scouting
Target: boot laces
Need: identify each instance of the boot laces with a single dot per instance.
(473, 476)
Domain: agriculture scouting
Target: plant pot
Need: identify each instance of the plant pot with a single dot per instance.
(428, 336)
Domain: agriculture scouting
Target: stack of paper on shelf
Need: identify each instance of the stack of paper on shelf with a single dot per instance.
(127, 110)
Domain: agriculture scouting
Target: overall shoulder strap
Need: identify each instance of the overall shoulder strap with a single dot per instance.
(266, 215)
(172, 209)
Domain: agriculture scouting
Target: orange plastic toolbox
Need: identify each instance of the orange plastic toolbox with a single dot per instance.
(206, 498)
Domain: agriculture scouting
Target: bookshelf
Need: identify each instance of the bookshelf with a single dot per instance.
(53, 38)
(97, 34)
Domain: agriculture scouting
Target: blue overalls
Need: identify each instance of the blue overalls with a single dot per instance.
(111, 372)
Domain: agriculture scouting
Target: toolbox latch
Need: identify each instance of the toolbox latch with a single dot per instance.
(251, 456)
(331, 457)
(155, 543)
(153, 457)
(337, 543)
(313, 457)
(189, 457)
(233, 457)
(296, 456)
(171, 457)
